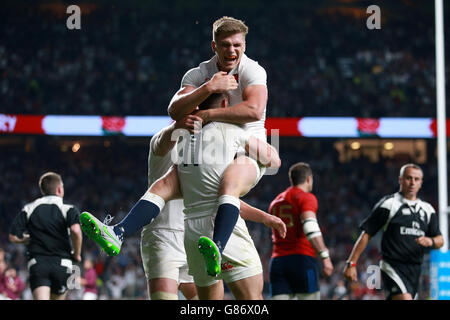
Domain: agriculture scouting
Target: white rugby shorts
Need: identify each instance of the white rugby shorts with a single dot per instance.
(163, 255)
(240, 258)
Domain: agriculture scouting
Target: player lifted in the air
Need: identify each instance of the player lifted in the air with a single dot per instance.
(229, 71)
(199, 183)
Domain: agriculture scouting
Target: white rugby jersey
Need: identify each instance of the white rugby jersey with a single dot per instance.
(248, 72)
(203, 162)
(172, 216)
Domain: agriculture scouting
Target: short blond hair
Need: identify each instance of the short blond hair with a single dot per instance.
(228, 25)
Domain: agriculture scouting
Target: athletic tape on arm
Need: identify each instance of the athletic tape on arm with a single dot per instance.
(311, 228)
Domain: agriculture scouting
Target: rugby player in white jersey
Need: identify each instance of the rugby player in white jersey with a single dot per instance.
(162, 241)
(246, 278)
(229, 71)
(200, 180)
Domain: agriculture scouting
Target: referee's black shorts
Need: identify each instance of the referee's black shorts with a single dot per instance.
(50, 271)
(400, 278)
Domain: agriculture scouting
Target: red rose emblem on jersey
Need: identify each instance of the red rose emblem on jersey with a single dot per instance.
(226, 266)
(113, 125)
(368, 126)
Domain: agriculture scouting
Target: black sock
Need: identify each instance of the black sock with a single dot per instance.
(142, 213)
(226, 218)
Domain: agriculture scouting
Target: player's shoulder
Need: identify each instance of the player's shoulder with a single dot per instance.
(69, 206)
(308, 197)
(388, 201)
(248, 62)
(202, 70)
(299, 195)
(427, 206)
(45, 200)
(249, 65)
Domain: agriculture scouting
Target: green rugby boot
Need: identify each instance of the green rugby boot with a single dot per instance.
(211, 255)
(101, 233)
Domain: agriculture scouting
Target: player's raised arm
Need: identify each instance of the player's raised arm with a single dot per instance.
(250, 109)
(164, 142)
(189, 97)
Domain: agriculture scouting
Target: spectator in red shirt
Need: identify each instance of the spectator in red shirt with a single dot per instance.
(89, 281)
(293, 266)
(12, 284)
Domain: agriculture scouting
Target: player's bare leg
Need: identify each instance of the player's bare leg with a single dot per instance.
(110, 238)
(162, 289)
(248, 288)
(212, 292)
(188, 290)
(168, 186)
(44, 293)
(167, 289)
(238, 178)
(41, 293)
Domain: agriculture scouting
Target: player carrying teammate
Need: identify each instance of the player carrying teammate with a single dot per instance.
(229, 71)
(162, 241)
(200, 193)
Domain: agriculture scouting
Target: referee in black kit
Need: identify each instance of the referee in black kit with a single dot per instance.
(409, 226)
(44, 226)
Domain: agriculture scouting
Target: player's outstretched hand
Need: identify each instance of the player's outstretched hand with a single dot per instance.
(276, 223)
(424, 241)
(222, 82)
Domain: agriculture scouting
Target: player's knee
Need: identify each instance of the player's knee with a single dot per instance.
(229, 187)
(237, 181)
(165, 189)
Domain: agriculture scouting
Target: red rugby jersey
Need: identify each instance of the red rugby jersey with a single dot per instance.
(288, 206)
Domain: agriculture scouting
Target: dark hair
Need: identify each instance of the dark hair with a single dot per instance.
(213, 101)
(299, 172)
(49, 182)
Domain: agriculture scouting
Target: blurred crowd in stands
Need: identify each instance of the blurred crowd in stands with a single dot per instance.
(321, 59)
(108, 180)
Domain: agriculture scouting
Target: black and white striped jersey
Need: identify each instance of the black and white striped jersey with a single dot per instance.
(402, 221)
(47, 220)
